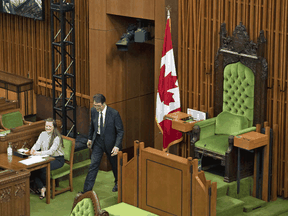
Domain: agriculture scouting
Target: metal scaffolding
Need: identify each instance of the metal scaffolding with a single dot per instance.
(63, 63)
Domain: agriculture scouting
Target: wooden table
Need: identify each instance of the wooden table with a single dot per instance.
(249, 141)
(15, 165)
(18, 84)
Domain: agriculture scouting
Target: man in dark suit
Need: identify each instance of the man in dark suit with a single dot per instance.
(105, 135)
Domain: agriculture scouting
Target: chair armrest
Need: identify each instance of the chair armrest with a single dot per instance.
(206, 123)
(246, 130)
(27, 122)
(206, 128)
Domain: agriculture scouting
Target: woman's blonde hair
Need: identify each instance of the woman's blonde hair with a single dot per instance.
(55, 133)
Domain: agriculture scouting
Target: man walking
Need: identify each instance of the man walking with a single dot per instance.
(105, 135)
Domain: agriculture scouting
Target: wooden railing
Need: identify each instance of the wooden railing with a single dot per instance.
(165, 184)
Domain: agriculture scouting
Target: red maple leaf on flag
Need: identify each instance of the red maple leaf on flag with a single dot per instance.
(166, 83)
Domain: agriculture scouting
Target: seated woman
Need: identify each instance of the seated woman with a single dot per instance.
(50, 143)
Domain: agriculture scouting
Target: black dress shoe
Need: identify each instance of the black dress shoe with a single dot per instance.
(115, 188)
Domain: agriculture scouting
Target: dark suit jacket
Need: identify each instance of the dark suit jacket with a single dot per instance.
(113, 128)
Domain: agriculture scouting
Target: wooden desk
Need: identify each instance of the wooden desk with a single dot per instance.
(14, 193)
(18, 84)
(249, 141)
(15, 165)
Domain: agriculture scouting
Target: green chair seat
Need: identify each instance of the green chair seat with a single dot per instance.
(216, 143)
(64, 170)
(83, 208)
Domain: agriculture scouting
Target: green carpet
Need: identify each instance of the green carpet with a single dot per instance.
(243, 204)
(62, 204)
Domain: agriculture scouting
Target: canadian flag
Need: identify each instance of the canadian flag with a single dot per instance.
(168, 96)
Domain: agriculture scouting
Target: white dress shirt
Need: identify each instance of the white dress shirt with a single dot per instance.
(103, 114)
(43, 144)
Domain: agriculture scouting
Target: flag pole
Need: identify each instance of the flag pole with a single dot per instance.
(167, 81)
(168, 9)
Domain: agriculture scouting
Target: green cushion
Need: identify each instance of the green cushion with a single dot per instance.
(228, 123)
(124, 209)
(238, 91)
(12, 120)
(67, 149)
(83, 208)
(216, 143)
(64, 170)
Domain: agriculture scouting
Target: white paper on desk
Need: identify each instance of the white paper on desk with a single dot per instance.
(30, 161)
(197, 115)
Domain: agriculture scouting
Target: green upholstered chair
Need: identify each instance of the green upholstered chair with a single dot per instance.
(87, 204)
(11, 119)
(67, 168)
(240, 88)
(236, 117)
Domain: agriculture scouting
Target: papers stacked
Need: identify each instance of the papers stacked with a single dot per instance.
(32, 160)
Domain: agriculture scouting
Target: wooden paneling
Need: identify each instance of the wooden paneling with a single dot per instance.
(97, 17)
(135, 68)
(132, 8)
(140, 70)
(133, 121)
(199, 27)
(25, 49)
(147, 121)
(115, 68)
(162, 173)
(160, 19)
(118, 22)
(15, 193)
(167, 184)
(97, 41)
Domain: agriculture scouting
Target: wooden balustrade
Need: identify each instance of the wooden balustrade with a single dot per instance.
(165, 184)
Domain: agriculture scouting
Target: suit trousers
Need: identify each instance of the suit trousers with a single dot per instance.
(98, 148)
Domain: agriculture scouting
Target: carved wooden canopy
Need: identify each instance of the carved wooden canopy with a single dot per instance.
(239, 47)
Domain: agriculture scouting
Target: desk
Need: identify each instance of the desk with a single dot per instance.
(124, 209)
(14, 193)
(18, 84)
(249, 141)
(15, 165)
(182, 123)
